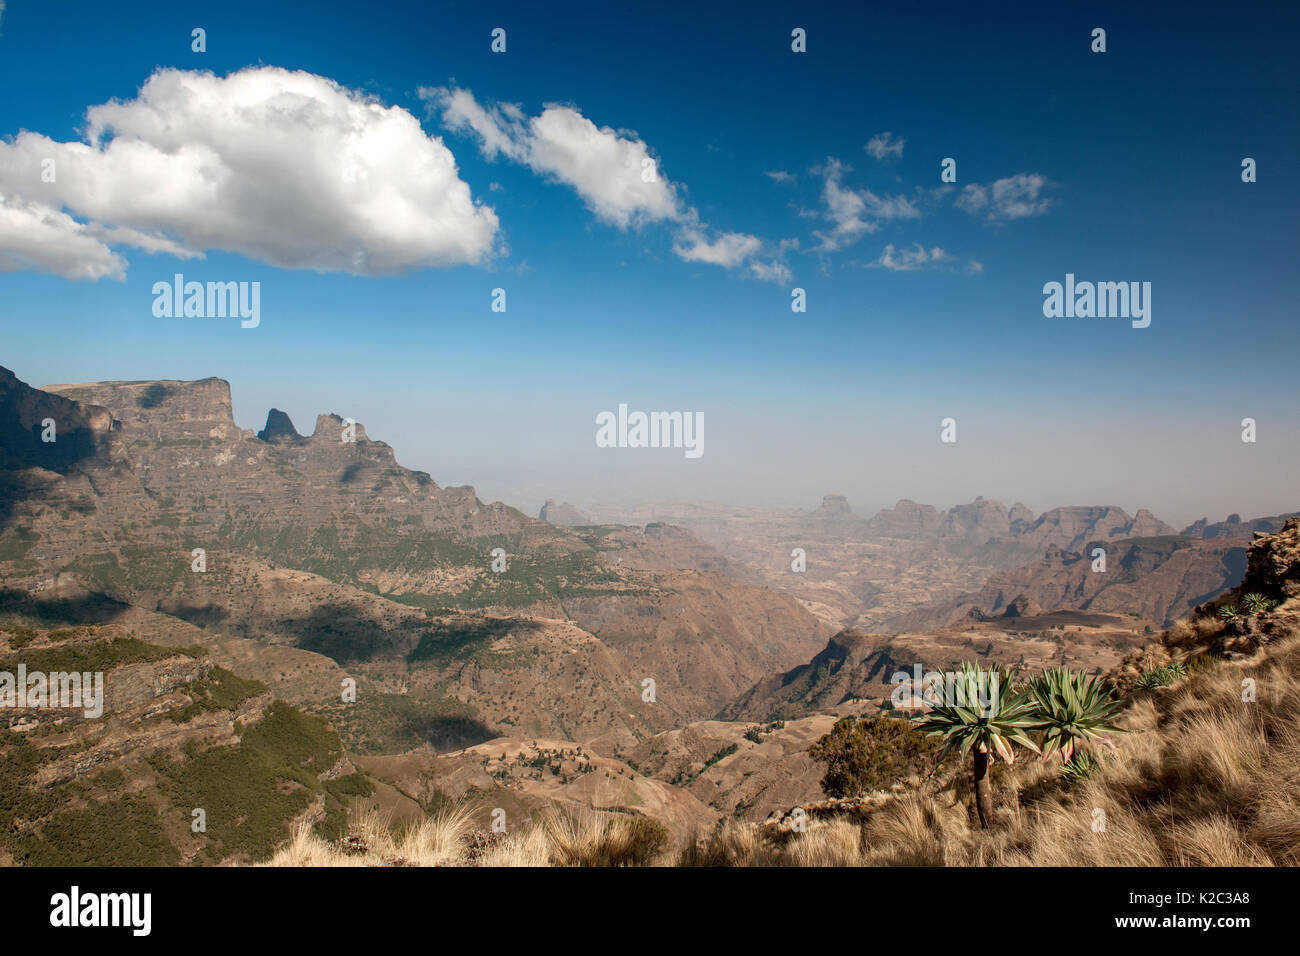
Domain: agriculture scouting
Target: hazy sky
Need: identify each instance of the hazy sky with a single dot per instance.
(381, 195)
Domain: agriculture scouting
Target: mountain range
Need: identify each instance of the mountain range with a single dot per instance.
(406, 643)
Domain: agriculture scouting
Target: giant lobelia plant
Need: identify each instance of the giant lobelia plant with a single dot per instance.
(977, 711)
(1073, 710)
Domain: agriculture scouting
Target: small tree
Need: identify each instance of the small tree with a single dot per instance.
(978, 712)
(870, 754)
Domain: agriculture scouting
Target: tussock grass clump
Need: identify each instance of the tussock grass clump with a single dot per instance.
(449, 837)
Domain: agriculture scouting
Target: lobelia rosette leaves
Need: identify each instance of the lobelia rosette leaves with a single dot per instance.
(1073, 710)
(979, 708)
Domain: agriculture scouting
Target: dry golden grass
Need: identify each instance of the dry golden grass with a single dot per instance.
(436, 840)
(448, 838)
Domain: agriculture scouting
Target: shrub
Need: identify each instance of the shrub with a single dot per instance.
(863, 754)
(721, 754)
(220, 690)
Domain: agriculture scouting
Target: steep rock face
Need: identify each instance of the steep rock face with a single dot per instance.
(981, 520)
(1147, 525)
(1073, 527)
(162, 410)
(1019, 518)
(184, 455)
(78, 431)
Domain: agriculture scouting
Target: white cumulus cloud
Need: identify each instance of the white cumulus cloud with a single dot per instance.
(884, 145)
(286, 167)
(613, 171)
(909, 260)
(1014, 197)
(729, 249)
(855, 212)
(919, 257)
(36, 237)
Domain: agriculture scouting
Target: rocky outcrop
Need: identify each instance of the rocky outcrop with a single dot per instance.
(1273, 564)
(1022, 606)
(833, 506)
(279, 429)
(1147, 525)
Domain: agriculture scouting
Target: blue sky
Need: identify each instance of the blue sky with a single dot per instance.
(1119, 166)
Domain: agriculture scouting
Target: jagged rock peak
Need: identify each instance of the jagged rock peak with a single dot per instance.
(279, 428)
(1147, 525)
(562, 513)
